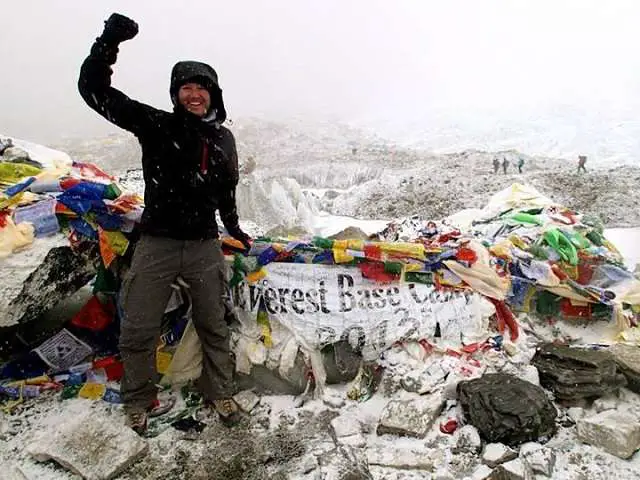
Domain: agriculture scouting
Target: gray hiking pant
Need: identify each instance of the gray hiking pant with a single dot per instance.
(146, 289)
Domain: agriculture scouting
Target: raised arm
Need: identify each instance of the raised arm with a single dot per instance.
(95, 79)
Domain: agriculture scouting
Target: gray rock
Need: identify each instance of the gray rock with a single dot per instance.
(247, 400)
(617, 433)
(344, 463)
(629, 401)
(12, 472)
(467, 439)
(355, 441)
(4, 425)
(14, 154)
(513, 470)
(333, 400)
(628, 359)
(346, 425)
(495, 454)
(308, 464)
(331, 194)
(575, 413)
(443, 474)
(94, 447)
(482, 472)
(575, 373)
(425, 381)
(411, 417)
(405, 458)
(540, 459)
(609, 402)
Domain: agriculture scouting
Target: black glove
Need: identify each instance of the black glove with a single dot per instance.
(246, 243)
(118, 28)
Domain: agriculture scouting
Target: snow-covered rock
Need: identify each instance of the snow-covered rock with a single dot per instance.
(542, 460)
(576, 413)
(617, 433)
(343, 463)
(513, 470)
(609, 402)
(356, 441)
(411, 417)
(530, 374)
(92, 446)
(346, 425)
(628, 359)
(482, 472)
(34, 280)
(495, 454)
(467, 439)
(405, 458)
(12, 472)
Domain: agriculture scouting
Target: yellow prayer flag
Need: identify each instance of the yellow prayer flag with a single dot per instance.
(163, 361)
(340, 256)
(253, 277)
(92, 391)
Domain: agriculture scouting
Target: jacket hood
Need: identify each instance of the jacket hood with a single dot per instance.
(205, 75)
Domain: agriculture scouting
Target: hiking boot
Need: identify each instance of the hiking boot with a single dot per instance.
(227, 410)
(137, 420)
(160, 407)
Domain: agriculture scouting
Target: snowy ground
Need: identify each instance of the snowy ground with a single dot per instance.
(280, 440)
(627, 240)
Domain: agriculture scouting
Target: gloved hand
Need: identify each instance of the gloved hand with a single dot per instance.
(118, 28)
(246, 242)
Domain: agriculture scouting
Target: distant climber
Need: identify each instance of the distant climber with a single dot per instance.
(505, 165)
(520, 164)
(496, 165)
(582, 160)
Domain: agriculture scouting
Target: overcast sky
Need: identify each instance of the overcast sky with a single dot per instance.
(353, 60)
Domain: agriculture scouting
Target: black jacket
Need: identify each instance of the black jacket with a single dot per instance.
(190, 164)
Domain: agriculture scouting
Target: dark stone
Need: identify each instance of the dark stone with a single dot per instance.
(341, 362)
(575, 373)
(507, 409)
(268, 382)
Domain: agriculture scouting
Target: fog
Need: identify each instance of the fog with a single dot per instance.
(392, 66)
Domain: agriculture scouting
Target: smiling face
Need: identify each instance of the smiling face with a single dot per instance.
(194, 98)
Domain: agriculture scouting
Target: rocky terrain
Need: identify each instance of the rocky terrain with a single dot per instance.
(297, 171)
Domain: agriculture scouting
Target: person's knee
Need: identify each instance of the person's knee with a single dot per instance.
(137, 339)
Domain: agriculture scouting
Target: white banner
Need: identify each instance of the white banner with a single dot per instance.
(321, 304)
